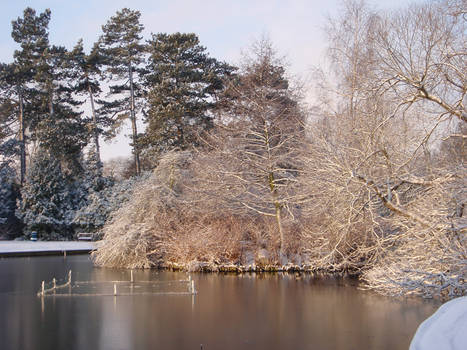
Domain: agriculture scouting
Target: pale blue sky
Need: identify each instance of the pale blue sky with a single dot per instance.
(224, 27)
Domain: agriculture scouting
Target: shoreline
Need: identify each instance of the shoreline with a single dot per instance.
(253, 268)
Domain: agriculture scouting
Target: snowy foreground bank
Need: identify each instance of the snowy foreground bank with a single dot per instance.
(446, 329)
(12, 248)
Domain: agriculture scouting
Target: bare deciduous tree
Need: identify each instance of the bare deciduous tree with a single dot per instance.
(396, 210)
(256, 144)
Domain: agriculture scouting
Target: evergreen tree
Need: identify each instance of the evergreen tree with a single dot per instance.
(86, 75)
(41, 86)
(183, 87)
(16, 80)
(123, 52)
(93, 179)
(104, 196)
(49, 198)
(61, 129)
(89, 216)
(10, 226)
(9, 145)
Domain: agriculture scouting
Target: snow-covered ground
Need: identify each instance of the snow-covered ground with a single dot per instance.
(446, 329)
(25, 247)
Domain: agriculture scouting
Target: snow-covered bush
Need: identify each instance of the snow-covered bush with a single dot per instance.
(103, 201)
(166, 222)
(58, 205)
(427, 258)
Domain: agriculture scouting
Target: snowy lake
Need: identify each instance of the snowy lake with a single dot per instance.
(229, 312)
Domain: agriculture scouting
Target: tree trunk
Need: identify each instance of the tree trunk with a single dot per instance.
(94, 120)
(273, 189)
(133, 123)
(51, 100)
(277, 214)
(22, 136)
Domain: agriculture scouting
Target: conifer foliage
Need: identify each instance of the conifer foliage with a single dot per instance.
(48, 198)
(54, 108)
(123, 54)
(86, 76)
(9, 192)
(183, 84)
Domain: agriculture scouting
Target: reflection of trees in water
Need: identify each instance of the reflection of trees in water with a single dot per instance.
(272, 311)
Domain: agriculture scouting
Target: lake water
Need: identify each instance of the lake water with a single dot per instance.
(229, 312)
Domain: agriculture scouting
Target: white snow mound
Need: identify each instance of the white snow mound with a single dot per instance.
(446, 329)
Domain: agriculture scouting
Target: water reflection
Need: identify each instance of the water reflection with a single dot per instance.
(229, 312)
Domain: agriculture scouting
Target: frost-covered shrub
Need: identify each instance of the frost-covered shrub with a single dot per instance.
(58, 204)
(427, 258)
(103, 201)
(167, 222)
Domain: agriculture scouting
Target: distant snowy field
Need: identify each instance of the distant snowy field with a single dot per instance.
(446, 329)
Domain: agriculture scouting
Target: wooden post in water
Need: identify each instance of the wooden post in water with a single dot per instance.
(69, 277)
(193, 287)
(64, 254)
(54, 283)
(115, 289)
(43, 288)
(131, 276)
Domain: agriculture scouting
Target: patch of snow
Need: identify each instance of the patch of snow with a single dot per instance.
(446, 329)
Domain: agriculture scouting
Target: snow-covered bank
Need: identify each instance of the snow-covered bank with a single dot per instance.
(446, 329)
(16, 248)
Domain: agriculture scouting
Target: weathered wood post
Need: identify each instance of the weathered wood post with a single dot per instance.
(131, 276)
(54, 283)
(43, 288)
(115, 289)
(69, 277)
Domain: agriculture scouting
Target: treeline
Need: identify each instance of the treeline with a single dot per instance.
(370, 180)
(57, 105)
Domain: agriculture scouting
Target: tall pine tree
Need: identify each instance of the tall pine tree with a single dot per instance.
(123, 51)
(17, 79)
(61, 129)
(86, 75)
(9, 143)
(182, 86)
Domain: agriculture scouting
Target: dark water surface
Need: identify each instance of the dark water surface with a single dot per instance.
(229, 312)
